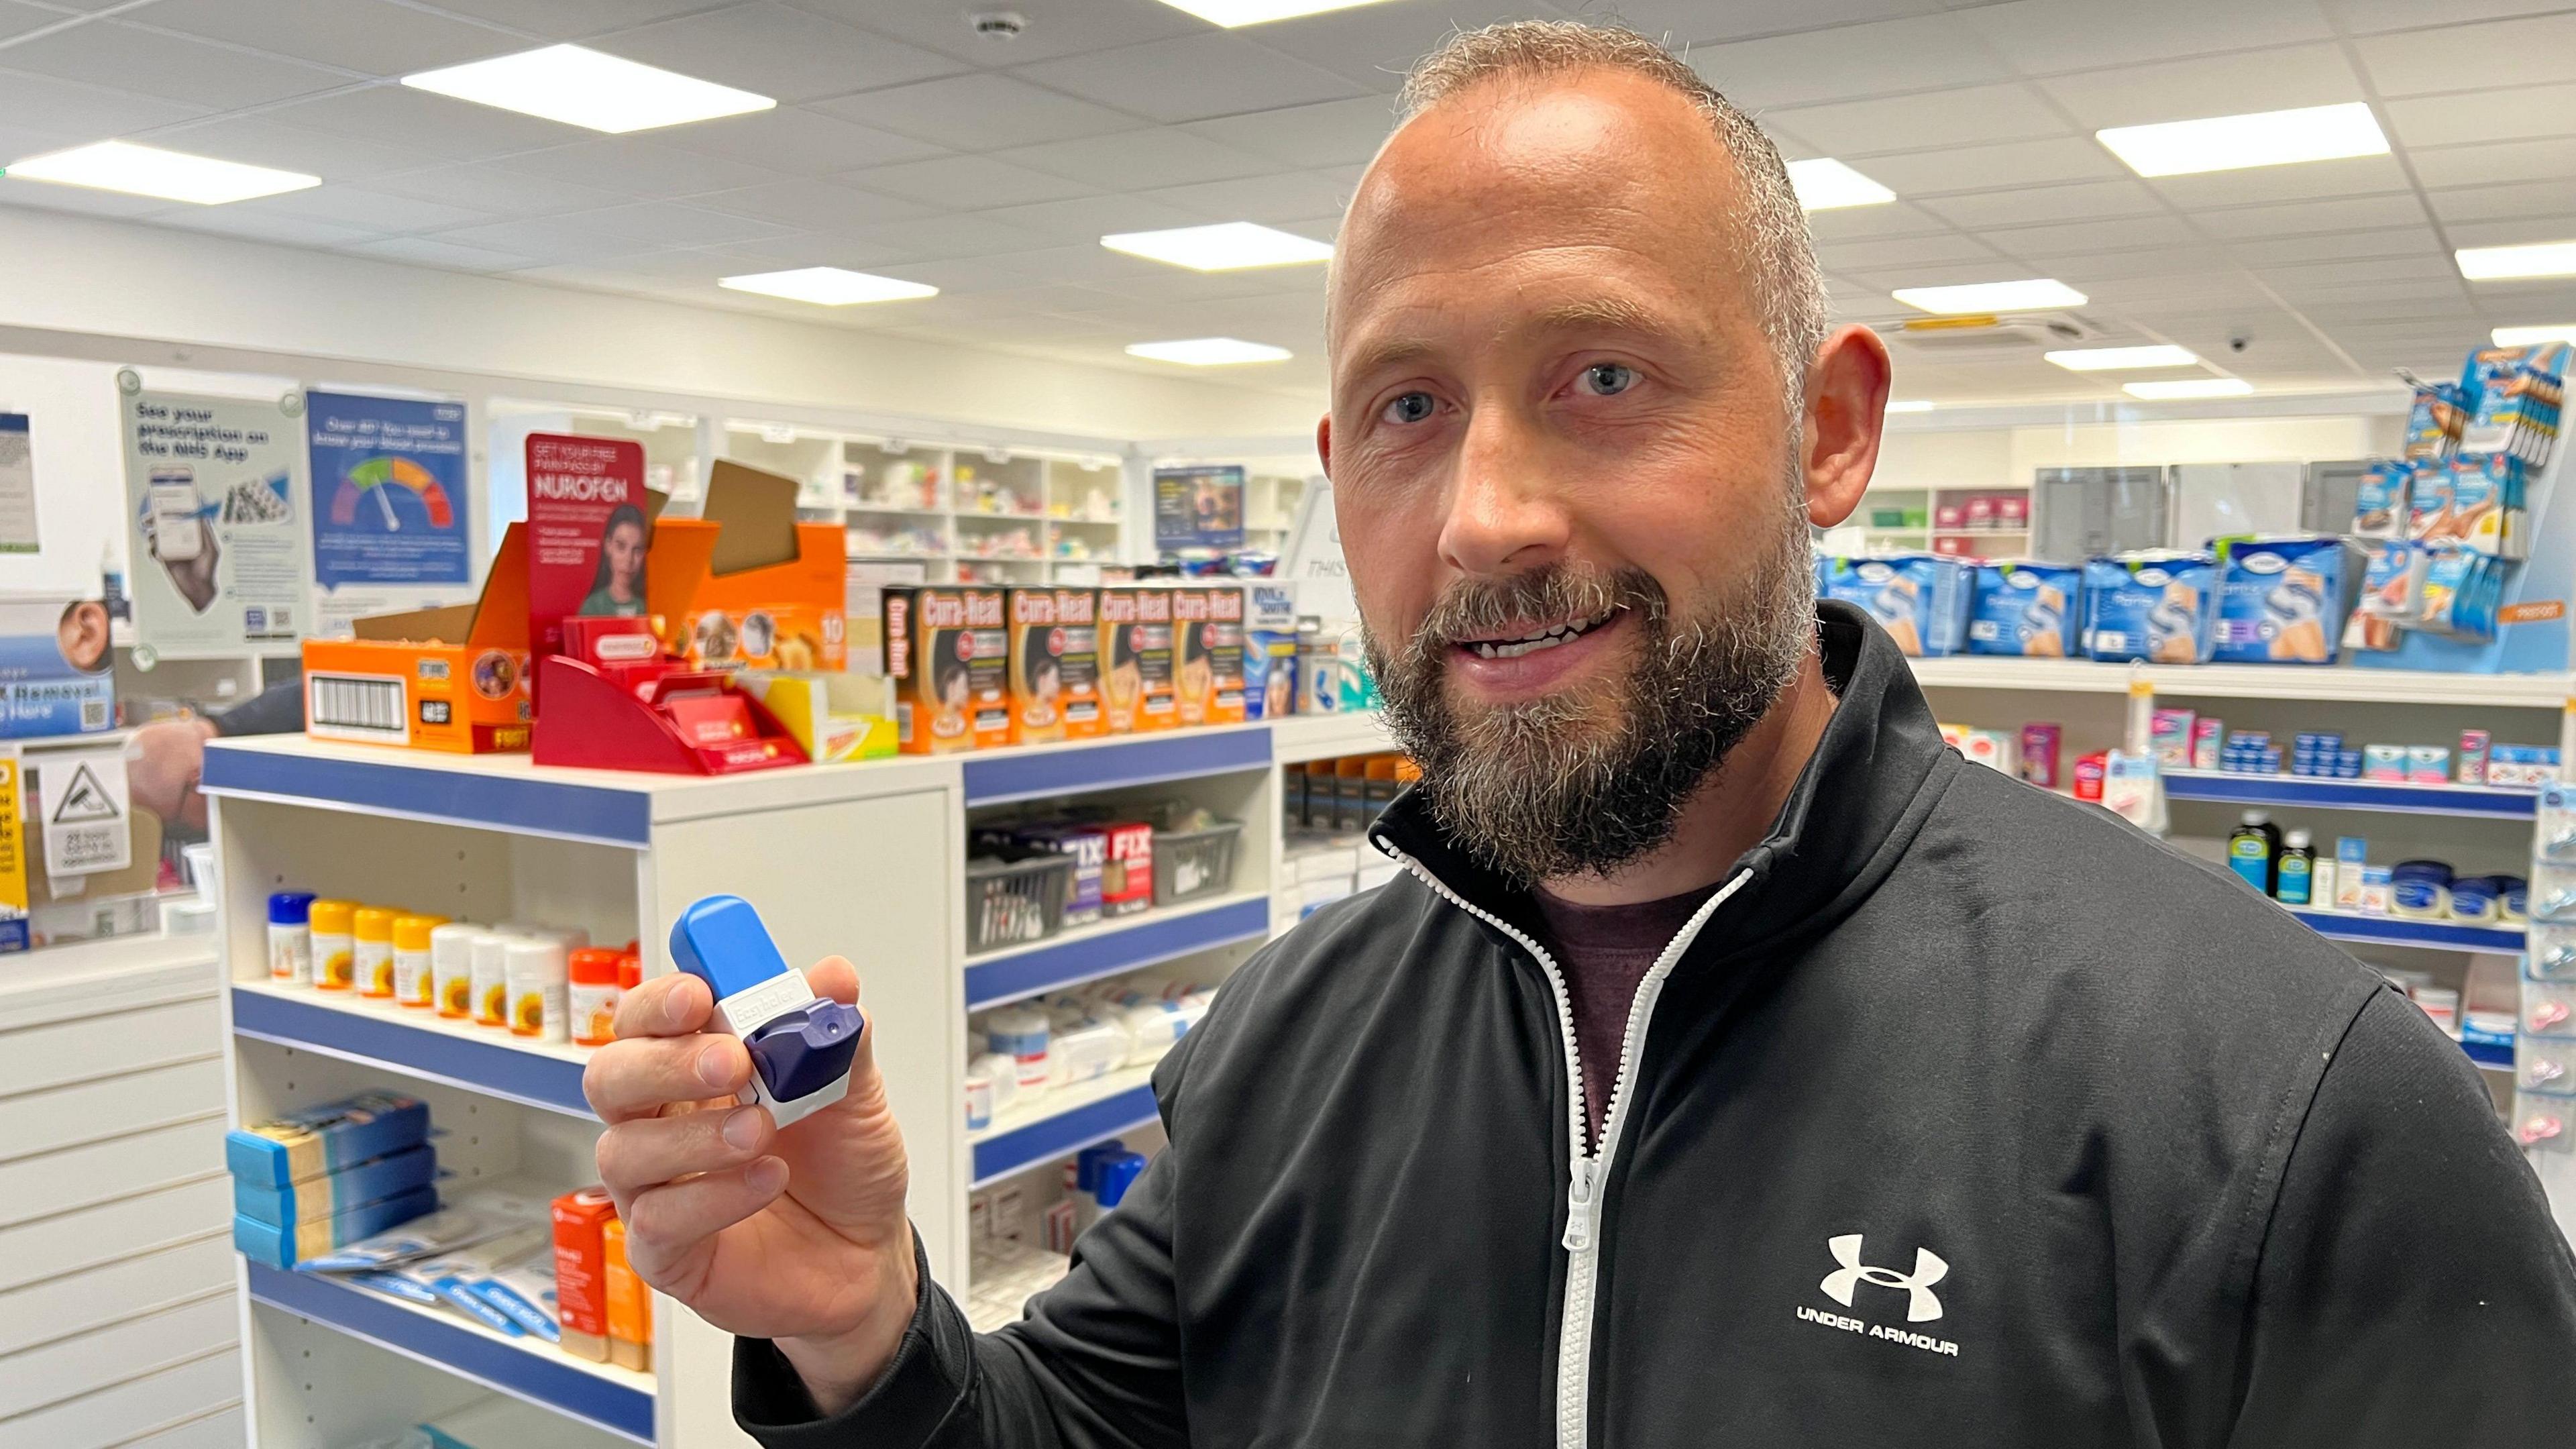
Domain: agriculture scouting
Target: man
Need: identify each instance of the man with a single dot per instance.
(1734, 1065)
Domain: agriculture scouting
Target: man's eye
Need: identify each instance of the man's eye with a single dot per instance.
(1607, 379)
(1413, 407)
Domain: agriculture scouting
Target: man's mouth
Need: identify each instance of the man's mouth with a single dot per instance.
(1515, 645)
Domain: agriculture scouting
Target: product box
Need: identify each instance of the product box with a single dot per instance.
(1089, 847)
(301, 1146)
(2208, 737)
(1269, 649)
(1207, 631)
(2384, 505)
(2487, 506)
(273, 1245)
(2040, 746)
(2432, 426)
(581, 1220)
(1037, 673)
(2169, 734)
(1920, 599)
(773, 595)
(1127, 874)
(2156, 605)
(1121, 672)
(2513, 396)
(55, 677)
(331, 1193)
(629, 1312)
(1077, 620)
(2352, 856)
(837, 718)
(2283, 600)
(2025, 608)
(1149, 653)
(948, 652)
(453, 679)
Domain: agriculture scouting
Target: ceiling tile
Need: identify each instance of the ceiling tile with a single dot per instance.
(1271, 200)
(92, 113)
(1965, 117)
(1373, 46)
(817, 249)
(440, 126)
(1083, 219)
(2363, 17)
(262, 226)
(2501, 161)
(671, 224)
(2472, 57)
(2404, 241)
(1336, 133)
(1692, 22)
(2306, 293)
(1905, 252)
(371, 36)
(1860, 223)
(795, 139)
(106, 53)
(2512, 114)
(256, 139)
(965, 183)
(640, 168)
(2290, 279)
(985, 111)
(1082, 262)
(2084, 270)
(1138, 158)
(2511, 233)
(20, 142)
(430, 251)
(2042, 36)
(773, 50)
(2356, 176)
(47, 196)
(572, 19)
(1846, 62)
(549, 239)
(2525, 199)
(1987, 168)
(2167, 290)
(814, 205)
(1946, 274)
(486, 187)
(1191, 78)
(1057, 27)
(2076, 238)
(2034, 205)
(18, 19)
(941, 237)
(2311, 217)
(378, 212)
(2210, 85)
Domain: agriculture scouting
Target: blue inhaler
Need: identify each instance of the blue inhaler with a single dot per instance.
(801, 1044)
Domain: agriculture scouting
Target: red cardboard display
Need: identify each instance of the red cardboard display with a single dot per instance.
(687, 722)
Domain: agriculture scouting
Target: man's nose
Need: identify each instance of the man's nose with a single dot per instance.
(1506, 513)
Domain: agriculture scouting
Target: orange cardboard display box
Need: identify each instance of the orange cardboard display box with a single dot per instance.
(453, 679)
(773, 592)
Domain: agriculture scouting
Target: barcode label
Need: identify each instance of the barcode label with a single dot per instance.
(93, 714)
(355, 707)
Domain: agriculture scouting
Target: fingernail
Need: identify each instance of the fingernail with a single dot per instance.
(742, 1128)
(769, 1174)
(675, 1012)
(712, 1067)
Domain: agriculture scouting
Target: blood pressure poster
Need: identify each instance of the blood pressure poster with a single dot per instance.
(212, 489)
(1198, 508)
(389, 504)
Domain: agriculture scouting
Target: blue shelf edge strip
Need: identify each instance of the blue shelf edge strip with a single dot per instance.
(502, 1070)
(1041, 967)
(1066, 1132)
(2352, 795)
(1175, 755)
(530, 1376)
(622, 817)
(2399, 931)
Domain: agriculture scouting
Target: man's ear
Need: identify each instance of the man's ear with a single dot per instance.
(1324, 442)
(1846, 408)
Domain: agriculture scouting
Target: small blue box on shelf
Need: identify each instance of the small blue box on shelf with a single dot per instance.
(304, 1145)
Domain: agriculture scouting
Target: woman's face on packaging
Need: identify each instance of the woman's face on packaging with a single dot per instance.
(625, 549)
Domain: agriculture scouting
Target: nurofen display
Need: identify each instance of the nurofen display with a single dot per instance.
(1920, 599)
(2025, 608)
(2159, 605)
(801, 1045)
(2283, 600)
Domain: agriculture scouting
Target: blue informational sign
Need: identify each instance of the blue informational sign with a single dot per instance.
(1198, 508)
(389, 494)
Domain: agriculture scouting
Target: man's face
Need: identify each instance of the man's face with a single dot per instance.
(1565, 464)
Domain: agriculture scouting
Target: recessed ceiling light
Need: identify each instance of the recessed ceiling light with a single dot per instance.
(1209, 352)
(1909, 405)
(2034, 293)
(2183, 387)
(1825, 184)
(1225, 247)
(2232, 143)
(2117, 359)
(2525, 336)
(2541, 259)
(151, 171)
(583, 87)
(1232, 13)
(827, 286)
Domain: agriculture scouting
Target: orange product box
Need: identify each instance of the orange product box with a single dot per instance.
(772, 595)
(1037, 667)
(1119, 674)
(452, 679)
(581, 1220)
(1077, 618)
(948, 652)
(1209, 676)
(1157, 707)
(630, 1315)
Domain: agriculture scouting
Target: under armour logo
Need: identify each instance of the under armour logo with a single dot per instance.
(1843, 1282)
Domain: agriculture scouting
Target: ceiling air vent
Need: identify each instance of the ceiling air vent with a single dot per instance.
(1987, 335)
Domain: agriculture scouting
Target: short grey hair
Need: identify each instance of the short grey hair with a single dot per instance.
(1789, 289)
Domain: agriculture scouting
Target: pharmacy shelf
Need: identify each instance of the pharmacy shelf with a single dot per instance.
(1298, 738)
(1038, 771)
(1063, 1121)
(2402, 931)
(2232, 787)
(2249, 681)
(1127, 943)
(413, 1041)
(890, 509)
(611, 1398)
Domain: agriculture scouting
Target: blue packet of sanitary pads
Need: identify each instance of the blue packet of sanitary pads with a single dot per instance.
(2283, 600)
(1920, 599)
(2026, 609)
(2159, 605)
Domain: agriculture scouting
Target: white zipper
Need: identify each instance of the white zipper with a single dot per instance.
(1585, 1173)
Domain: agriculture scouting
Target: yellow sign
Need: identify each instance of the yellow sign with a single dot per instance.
(13, 859)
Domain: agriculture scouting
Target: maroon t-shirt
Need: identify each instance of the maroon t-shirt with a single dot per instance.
(1604, 952)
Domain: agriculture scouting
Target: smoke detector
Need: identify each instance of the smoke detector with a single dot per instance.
(1992, 335)
(998, 24)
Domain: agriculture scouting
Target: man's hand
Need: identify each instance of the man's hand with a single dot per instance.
(163, 762)
(796, 1236)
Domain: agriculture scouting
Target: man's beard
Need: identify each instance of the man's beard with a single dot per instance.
(1588, 780)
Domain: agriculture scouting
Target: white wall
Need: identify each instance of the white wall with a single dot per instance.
(80, 471)
(1986, 458)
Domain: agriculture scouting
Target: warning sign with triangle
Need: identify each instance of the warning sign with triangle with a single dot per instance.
(85, 800)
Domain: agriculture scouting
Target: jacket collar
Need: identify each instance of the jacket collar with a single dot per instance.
(1856, 805)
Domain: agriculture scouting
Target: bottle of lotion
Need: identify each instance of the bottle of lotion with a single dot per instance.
(2254, 851)
(2294, 874)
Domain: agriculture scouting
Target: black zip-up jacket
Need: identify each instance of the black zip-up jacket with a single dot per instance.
(1968, 1116)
